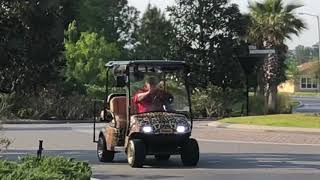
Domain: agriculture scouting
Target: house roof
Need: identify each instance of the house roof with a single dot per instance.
(307, 66)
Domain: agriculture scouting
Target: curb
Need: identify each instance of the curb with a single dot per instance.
(264, 128)
(300, 105)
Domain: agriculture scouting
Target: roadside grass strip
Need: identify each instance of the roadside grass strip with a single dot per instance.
(281, 120)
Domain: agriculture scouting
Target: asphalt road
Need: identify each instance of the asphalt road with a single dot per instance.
(308, 104)
(225, 154)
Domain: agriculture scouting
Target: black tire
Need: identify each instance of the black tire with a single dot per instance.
(136, 153)
(190, 153)
(103, 154)
(162, 157)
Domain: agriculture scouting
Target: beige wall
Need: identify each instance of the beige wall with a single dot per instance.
(287, 87)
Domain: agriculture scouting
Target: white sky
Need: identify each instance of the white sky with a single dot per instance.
(307, 38)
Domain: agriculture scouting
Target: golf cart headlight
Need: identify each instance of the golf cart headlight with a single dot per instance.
(181, 129)
(147, 129)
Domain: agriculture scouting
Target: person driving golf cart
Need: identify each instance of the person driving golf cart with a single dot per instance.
(151, 98)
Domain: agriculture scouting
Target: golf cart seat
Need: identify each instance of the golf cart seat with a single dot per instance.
(118, 108)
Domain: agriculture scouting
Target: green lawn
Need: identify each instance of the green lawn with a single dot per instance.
(282, 120)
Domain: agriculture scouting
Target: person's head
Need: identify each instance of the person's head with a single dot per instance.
(151, 83)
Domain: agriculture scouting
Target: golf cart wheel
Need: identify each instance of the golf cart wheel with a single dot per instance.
(103, 154)
(190, 153)
(162, 157)
(136, 153)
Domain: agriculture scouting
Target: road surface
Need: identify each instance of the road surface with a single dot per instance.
(225, 154)
(308, 104)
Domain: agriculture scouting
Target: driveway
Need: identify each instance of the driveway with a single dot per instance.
(308, 104)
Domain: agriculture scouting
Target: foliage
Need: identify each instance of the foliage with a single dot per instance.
(86, 57)
(4, 143)
(256, 105)
(31, 36)
(304, 54)
(283, 104)
(271, 23)
(50, 104)
(214, 101)
(154, 35)
(293, 70)
(281, 120)
(5, 105)
(208, 34)
(113, 19)
(46, 168)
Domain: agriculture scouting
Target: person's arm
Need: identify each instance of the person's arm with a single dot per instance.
(141, 96)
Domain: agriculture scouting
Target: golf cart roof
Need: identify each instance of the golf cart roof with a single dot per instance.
(113, 64)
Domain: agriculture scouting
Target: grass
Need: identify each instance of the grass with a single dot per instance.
(294, 104)
(281, 120)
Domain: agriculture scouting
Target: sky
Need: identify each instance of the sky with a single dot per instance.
(307, 37)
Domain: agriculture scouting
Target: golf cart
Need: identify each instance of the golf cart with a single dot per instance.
(160, 131)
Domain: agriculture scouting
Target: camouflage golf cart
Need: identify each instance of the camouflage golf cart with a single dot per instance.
(161, 133)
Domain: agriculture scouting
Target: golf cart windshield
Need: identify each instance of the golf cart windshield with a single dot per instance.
(168, 95)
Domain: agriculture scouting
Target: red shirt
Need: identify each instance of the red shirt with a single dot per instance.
(144, 105)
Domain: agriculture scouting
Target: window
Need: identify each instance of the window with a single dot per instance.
(308, 83)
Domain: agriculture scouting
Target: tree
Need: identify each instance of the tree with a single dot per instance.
(31, 36)
(113, 19)
(86, 58)
(292, 67)
(208, 34)
(305, 54)
(272, 23)
(154, 35)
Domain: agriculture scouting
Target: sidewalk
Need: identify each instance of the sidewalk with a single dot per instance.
(264, 128)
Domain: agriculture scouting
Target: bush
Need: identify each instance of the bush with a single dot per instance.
(49, 104)
(4, 142)
(284, 105)
(257, 104)
(31, 167)
(215, 101)
(5, 105)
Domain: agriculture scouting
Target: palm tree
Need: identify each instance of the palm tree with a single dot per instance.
(271, 23)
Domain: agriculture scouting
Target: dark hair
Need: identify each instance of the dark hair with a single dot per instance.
(152, 81)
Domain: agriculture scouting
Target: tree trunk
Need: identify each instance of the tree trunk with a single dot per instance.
(260, 90)
(272, 99)
(271, 73)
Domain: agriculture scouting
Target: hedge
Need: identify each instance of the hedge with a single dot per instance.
(46, 168)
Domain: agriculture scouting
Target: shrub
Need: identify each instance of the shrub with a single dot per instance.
(284, 105)
(49, 104)
(5, 105)
(215, 101)
(31, 167)
(257, 104)
(4, 142)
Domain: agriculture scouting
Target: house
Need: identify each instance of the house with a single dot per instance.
(305, 81)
